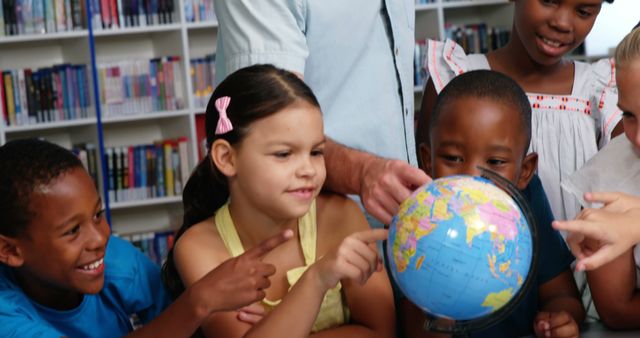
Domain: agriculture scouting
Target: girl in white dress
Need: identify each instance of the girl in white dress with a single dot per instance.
(573, 103)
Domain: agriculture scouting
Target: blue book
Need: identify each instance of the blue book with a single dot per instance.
(16, 95)
(159, 149)
(155, 90)
(142, 152)
(71, 91)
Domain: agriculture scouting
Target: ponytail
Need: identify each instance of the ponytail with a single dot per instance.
(205, 192)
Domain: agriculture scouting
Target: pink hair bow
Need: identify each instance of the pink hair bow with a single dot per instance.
(224, 124)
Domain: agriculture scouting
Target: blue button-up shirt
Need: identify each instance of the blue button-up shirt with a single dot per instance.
(356, 55)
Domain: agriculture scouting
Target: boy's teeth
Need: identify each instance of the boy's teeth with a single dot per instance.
(93, 265)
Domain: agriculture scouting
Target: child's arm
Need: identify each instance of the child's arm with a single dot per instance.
(560, 307)
(351, 263)
(244, 277)
(616, 299)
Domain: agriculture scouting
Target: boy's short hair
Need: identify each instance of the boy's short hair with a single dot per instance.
(481, 84)
(26, 165)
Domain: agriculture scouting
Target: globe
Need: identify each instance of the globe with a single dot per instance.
(460, 248)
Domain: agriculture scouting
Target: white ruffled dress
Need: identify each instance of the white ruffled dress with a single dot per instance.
(567, 130)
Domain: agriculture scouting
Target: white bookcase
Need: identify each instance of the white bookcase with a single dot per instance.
(433, 18)
(187, 40)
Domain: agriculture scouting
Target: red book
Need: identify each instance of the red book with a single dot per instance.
(114, 13)
(105, 13)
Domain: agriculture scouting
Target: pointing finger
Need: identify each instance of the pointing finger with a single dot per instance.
(269, 244)
(370, 236)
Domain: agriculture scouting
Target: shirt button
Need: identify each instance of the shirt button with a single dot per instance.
(397, 51)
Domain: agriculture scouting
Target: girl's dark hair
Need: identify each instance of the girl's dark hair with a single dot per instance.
(26, 165)
(256, 92)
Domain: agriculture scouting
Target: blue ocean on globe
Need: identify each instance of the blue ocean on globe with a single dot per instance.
(460, 248)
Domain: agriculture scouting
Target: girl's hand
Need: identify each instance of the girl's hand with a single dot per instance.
(613, 201)
(555, 324)
(239, 281)
(597, 236)
(355, 258)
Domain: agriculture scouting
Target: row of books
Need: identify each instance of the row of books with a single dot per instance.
(199, 10)
(478, 38)
(41, 16)
(155, 245)
(147, 171)
(141, 86)
(419, 74)
(113, 14)
(88, 155)
(203, 78)
(420, 2)
(57, 93)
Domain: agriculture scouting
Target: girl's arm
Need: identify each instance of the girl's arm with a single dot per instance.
(232, 283)
(370, 300)
(613, 288)
(371, 305)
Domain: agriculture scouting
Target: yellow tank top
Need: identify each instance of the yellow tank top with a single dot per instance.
(332, 310)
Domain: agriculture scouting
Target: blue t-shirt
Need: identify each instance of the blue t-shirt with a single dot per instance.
(132, 285)
(554, 258)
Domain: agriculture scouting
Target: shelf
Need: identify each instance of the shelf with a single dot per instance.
(417, 89)
(202, 24)
(200, 111)
(137, 30)
(51, 125)
(472, 3)
(426, 7)
(147, 116)
(144, 203)
(44, 37)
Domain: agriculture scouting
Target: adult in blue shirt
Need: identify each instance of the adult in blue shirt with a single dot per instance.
(357, 56)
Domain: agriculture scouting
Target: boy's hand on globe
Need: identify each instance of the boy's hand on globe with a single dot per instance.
(555, 324)
(355, 258)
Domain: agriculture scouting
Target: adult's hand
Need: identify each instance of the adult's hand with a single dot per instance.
(385, 184)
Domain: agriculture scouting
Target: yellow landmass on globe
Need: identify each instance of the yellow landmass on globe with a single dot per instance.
(440, 209)
(496, 300)
(501, 205)
(520, 280)
(505, 266)
(476, 195)
(475, 227)
(492, 265)
(419, 262)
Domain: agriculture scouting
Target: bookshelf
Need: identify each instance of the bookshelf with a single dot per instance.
(435, 20)
(190, 35)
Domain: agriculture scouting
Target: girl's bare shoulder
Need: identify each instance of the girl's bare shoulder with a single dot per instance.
(339, 214)
(202, 240)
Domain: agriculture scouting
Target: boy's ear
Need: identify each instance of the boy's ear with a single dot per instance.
(224, 157)
(10, 253)
(527, 170)
(424, 157)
